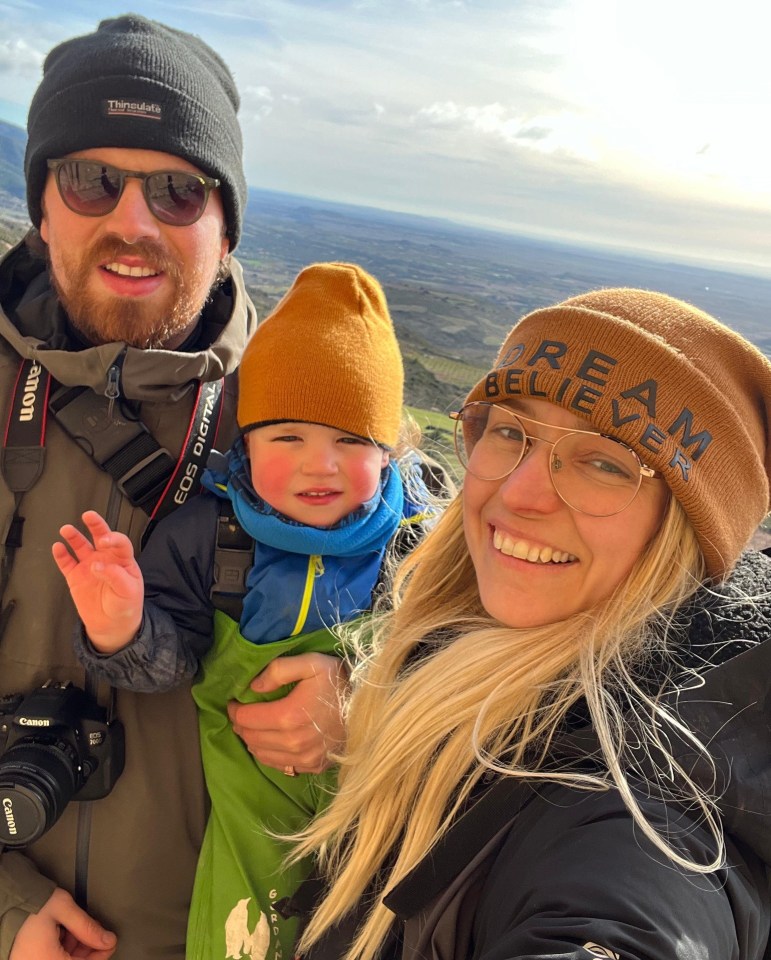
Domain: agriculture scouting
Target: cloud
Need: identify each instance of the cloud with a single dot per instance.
(437, 4)
(564, 133)
(17, 57)
(579, 116)
(256, 102)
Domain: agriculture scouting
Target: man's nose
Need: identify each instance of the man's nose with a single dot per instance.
(132, 219)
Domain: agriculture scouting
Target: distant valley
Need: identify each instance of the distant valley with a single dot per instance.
(453, 291)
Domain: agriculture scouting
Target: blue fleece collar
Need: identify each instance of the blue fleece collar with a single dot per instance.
(367, 529)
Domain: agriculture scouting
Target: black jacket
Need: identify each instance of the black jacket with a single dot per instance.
(549, 872)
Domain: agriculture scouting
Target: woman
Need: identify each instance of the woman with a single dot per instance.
(560, 745)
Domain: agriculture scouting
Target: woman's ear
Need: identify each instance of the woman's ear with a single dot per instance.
(386, 459)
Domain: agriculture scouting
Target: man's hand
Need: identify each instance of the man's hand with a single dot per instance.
(60, 930)
(306, 725)
(105, 581)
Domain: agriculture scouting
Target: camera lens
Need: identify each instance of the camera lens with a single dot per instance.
(37, 780)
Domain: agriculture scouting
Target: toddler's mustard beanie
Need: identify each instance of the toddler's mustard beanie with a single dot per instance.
(327, 354)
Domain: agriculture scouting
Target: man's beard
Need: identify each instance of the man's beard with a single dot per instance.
(132, 320)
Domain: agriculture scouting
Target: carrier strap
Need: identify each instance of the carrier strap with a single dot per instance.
(145, 472)
(233, 558)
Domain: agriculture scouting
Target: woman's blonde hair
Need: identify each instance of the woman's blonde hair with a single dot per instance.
(444, 693)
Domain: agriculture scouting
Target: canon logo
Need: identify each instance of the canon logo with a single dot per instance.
(32, 722)
(8, 811)
(27, 411)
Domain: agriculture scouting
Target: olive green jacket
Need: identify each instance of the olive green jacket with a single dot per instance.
(145, 836)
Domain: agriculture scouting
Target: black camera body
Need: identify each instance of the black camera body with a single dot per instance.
(56, 744)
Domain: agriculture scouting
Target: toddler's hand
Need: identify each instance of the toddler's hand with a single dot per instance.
(104, 580)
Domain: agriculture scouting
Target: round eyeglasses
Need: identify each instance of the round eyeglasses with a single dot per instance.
(590, 472)
(93, 189)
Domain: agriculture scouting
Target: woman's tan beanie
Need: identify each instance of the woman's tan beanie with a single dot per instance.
(327, 354)
(688, 394)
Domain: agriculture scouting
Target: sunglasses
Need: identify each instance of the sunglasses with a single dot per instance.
(93, 189)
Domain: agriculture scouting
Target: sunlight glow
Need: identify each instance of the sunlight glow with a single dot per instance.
(667, 94)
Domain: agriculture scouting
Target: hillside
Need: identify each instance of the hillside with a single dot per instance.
(12, 143)
(13, 210)
(453, 291)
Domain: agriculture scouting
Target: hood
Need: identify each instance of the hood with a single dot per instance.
(35, 326)
(729, 642)
(723, 640)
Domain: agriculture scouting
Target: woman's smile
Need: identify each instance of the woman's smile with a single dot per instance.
(537, 560)
(523, 549)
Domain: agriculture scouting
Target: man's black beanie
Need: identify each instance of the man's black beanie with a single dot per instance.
(135, 83)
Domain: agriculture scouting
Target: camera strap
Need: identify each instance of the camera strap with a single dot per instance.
(120, 444)
(23, 453)
(85, 807)
(22, 457)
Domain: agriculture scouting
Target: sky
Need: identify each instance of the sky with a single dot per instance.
(639, 126)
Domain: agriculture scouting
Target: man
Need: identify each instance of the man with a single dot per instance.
(136, 300)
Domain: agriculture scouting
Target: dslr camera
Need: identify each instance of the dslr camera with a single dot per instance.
(56, 744)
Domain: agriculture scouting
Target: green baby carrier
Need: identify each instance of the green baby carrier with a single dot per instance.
(241, 874)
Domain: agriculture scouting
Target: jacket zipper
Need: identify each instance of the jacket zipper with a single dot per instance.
(112, 515)
(315, 569)
(112, 390)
